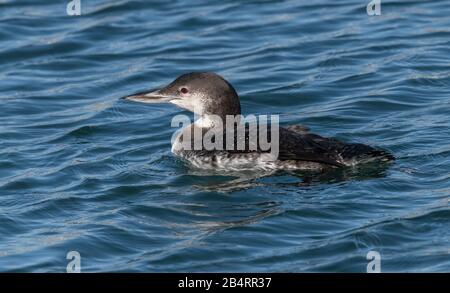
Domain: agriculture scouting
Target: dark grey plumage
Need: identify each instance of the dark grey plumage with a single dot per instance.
(300, 145)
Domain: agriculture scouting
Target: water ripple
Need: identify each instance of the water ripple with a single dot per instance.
(82, 170)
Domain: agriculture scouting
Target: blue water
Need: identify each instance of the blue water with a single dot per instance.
(81, 170)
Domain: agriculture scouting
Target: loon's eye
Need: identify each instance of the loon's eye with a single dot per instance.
(184, 90)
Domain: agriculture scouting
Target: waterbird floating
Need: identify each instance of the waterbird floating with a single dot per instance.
(209, 95)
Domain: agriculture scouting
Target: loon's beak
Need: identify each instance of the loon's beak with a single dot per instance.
(150, 97)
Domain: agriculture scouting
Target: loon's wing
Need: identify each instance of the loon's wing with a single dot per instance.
(291, 146)
(348, 152)
(306, 147)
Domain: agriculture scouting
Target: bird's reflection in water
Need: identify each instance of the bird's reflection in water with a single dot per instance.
(231, 212)
(247, 180)
(248, 216)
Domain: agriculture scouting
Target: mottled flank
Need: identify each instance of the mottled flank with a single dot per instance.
(297, 150)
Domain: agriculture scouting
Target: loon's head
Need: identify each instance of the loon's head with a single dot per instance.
(204, 93)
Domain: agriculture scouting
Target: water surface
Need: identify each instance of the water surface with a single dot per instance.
(82, 170)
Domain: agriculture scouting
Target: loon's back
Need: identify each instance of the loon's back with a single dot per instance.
(298, 150)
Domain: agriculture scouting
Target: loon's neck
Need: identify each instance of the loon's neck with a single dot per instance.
(207, 121)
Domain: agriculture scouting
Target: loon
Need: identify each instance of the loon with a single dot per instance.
(209, 95)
